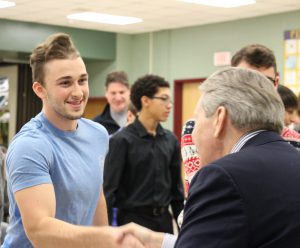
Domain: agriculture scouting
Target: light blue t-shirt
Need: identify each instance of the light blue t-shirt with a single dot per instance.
(72, 161)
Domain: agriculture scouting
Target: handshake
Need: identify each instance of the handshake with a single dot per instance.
(135, 236)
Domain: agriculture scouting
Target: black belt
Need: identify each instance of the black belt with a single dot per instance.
(155, 211)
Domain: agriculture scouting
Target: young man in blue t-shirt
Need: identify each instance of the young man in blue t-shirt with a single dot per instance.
(55, 162)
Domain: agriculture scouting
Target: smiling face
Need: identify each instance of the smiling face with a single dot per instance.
(117, 95)
(64, 91)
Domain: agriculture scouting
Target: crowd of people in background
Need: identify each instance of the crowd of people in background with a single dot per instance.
(76, 179)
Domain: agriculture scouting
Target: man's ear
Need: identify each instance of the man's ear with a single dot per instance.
(39, 89)
(219, 123)
(145, 101)
(276, 81)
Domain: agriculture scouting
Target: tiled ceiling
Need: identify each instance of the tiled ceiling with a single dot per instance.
(157, 14)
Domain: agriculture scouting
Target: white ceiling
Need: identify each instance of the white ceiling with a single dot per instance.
(157, 14)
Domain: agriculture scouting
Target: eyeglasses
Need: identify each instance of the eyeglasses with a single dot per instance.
(271, 79)
(166, 100)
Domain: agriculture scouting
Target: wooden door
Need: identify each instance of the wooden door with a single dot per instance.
(190, 97)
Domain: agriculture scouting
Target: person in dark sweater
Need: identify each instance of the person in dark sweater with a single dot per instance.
(117, 92)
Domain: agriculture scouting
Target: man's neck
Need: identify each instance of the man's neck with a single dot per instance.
(61, 122)
(119, 117)
(231, 137)
(149, 123)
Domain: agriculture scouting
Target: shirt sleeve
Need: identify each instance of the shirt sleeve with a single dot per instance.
(169, 241)
(113, 168)
(28, 163)
(214, 211)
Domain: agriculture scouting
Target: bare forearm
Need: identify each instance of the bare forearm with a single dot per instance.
(100, 218)
(103, 221)
(53, 233)
(44, 230)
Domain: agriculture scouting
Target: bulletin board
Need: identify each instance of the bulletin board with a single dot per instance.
(292, 60)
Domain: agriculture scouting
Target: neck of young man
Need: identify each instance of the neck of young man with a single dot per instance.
(149, 122)
(61, 122)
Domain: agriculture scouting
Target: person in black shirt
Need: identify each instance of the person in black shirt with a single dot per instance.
(142, 172)
(117, 92)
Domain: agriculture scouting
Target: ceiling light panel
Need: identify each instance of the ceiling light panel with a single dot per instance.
(104, 18)
(6, 4)
(221, 3)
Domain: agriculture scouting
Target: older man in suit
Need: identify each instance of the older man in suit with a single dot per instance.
(246, 195)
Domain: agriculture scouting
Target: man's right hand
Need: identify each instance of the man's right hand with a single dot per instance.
(148, 238)
(129, 241)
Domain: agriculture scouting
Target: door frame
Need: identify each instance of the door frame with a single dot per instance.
(178, 90)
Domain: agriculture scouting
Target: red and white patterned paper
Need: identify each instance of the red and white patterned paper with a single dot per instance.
(190, 156)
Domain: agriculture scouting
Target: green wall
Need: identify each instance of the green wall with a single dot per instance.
(22, 37)
(188, 52)
(97, 71)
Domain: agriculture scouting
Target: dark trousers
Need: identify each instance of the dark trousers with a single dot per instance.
(158, 223)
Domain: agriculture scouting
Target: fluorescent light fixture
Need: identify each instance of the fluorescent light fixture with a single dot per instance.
(221, 3)
(6, 4)
(104, 18)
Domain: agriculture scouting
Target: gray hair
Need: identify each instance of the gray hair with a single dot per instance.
(250, 98)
